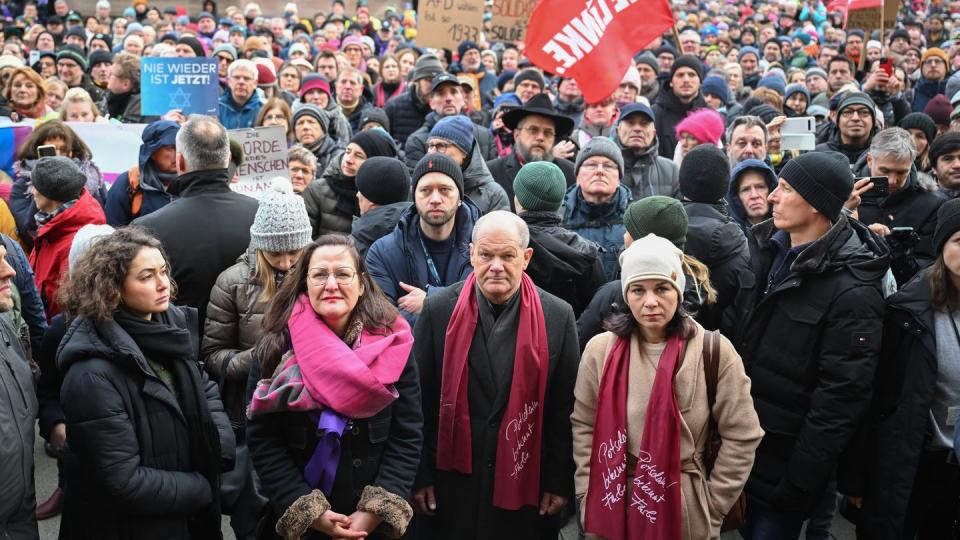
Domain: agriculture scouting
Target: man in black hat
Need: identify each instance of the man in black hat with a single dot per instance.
(676, 99)
(536, 129)
(807, 323)
(99, 68)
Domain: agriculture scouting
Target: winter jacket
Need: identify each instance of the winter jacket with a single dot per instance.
(321, 202)
(378, 461)
(400, 255)
(31, 305)
(132, 477)
(571, 109)
(203, 232)
(563, 263)
(339, 127)
(151, 184)
(669, 111)
(51, 380)
(810, 347)
(327, 152)
(18, 411)
(415, 146)
(504, 170)
(911, 206)
(97, 94)
(852, 152)
(647, 173)
(231, 330)
(925, 90)
(406, 113)
(734, 206)
(49, 255)
(23, 206)
(235, 116)
(716, 240)
(480, 187)
(375, 224)
(601, 223)
(900, 416)
(127, 107)
(706, 498)
(354, 119)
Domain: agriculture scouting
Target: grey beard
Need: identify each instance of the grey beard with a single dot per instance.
(527, 158)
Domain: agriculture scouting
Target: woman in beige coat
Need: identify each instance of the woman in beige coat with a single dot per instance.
(632, 486)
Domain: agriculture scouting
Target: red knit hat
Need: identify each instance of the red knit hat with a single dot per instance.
(705, 125)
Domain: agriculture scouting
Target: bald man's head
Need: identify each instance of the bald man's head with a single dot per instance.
(499, 254)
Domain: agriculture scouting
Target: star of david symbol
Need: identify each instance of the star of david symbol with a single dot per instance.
(179, 99)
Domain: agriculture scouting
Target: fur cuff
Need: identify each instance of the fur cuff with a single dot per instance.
(295, 522)
(393, 509)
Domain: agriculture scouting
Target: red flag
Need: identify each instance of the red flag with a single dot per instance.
(592, 41)
(853, 5)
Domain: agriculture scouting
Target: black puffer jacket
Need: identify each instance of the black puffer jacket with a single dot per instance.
(131, 477)
(810, 347)
(376, 224)
(910, 206)
(716, 239)
(406, 114)
(563, 264)
(669, 111)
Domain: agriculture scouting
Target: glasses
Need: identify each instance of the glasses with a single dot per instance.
(534, 131)
(343, 276)
(594, 166)
(849, 113)
(932, 61)
(438, 147)
(274, 117)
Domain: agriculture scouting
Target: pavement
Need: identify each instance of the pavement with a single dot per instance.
(46, 478)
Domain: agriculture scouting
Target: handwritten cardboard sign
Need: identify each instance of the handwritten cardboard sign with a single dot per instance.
(264, 158)
(510, 18)
(864, 19)
(188, 84)
(443, 24)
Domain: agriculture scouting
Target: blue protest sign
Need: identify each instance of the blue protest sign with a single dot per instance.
(188, 84)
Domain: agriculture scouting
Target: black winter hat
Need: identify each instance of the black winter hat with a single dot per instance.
(375, 142)
(440, 163)
(765, 112)
(688, 61)
(194, 44)
(99, 57)
(375, 115)
(529, 74)
(948, 222)
(823, 179)
(921, 121)
(58, 178)
(942, 145)
(383, 180)
(705, 174)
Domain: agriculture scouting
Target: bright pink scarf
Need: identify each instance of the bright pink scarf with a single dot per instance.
(654, 512)
(517, 475)
(326, 373)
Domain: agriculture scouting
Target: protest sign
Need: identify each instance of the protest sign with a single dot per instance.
(264, 158)
(443, 24)
(865, 19)
(509, 22)
(593, 41)
(188, 84)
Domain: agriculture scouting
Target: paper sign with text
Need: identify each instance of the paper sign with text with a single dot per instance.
(264, 158)
(443, 24)
(510, 18)
(188, 84)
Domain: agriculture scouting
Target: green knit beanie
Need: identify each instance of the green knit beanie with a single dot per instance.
(540, 185)
(659, 215)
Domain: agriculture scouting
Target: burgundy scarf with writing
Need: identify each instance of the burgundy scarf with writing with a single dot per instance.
(517, 474)
(654, 498)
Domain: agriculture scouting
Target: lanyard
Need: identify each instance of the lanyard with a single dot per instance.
(434, 275)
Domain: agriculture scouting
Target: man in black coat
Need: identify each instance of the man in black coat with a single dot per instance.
(856, 125)
(908, 205)
(407, 111)
(462, 503)
(536, 129)
(676, 100)
(807, 323)
(208, 227)
(713, 236)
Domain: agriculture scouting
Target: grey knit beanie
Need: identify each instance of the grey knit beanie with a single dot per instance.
(599, 146)
(281, 223)
(58, 178)
(428, 66)
(309, 109)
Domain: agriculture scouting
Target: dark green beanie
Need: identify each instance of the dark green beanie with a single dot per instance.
(540, 185)
(659, 215)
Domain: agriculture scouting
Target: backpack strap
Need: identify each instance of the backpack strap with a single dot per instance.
(711, 370)
(133, 190)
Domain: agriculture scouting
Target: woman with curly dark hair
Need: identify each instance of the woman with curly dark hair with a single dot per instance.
(335, 426)
(145, 425)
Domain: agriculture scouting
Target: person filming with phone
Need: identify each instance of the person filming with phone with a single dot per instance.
(891, 202)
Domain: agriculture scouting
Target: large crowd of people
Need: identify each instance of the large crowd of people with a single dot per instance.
(724, 297)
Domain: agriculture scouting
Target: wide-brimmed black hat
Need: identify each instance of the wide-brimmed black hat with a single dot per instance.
(539, 105)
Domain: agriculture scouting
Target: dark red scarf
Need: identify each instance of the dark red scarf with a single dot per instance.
(654, 498)
(517, 475)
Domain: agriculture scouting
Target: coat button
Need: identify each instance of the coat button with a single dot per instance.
(489, 463)
(355, 430)
(357, 463)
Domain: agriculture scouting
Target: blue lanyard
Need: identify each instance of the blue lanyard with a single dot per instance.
(434, 275)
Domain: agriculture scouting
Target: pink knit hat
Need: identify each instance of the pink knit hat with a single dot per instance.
(705, 125)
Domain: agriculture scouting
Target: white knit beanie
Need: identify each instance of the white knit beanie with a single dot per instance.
(85, 237)
(652, 257)
(281, 223)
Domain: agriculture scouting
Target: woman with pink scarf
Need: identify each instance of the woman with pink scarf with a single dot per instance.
(335, 424)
